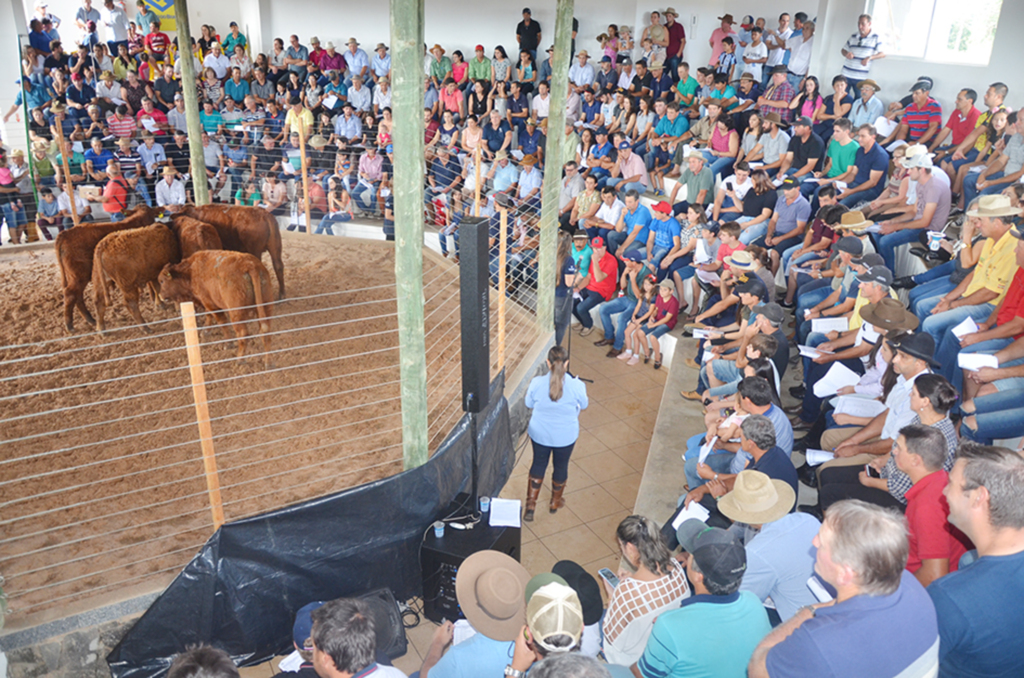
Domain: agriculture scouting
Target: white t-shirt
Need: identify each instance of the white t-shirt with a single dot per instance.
(759, 51)
(731, 184)
(610, 214)
(541, 107)
(775, 56)
(116, 22)
(800, 54)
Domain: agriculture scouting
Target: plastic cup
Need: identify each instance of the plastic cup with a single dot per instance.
(485, 504)
(439, 529)
(934, 239)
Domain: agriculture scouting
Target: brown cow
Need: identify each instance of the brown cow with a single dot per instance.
(243, 229)
(132, 260)
(194, 235)
(223, 281)
(75, 248)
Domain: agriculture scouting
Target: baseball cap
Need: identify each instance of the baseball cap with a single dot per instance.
(754, 286)
(303, 627)
(921, 84)
(553, 610)
(597, 242)
(772, 311)
(633, 255)
(803, 120)
(601, 130)
(790, 182)
(624, 144)
(662, 207)
(876, 274)
(870, 259)
(233, 23)
(718, 553)
(850, 245)
(606, 60)
(479, 48)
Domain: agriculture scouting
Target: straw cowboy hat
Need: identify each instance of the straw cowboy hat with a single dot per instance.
(528, 160)
(740, 261)
(757, 499)
(317, 141)
(352, 41)
(870, 83)
(994, 206)
(889, 314)
(169, 171)
(672, 11)
(853, 221)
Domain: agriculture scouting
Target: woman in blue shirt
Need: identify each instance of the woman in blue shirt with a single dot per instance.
(556, 400)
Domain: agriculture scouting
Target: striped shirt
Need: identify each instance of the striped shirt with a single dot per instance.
(121, 127)
(861, 47)
(918, 119)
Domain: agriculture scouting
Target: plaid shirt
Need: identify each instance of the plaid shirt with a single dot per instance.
(899, 482)
(783, 92)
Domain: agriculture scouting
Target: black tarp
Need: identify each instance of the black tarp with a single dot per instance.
(241, 591)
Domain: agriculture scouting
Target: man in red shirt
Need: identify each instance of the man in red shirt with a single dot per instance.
(151, 112)
(115, 193)
(157, 42)
(962, 122)
(935, 545)
(597, 286)
(1004, 326)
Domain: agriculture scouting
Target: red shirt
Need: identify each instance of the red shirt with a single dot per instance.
(663, 308)
(157, 43)
(609, 265)
(724, 251)
(159, 117)
(961, 126)
(121, 127)
(1013, 302)
(931, 535)
(115, 196)
(430, 131)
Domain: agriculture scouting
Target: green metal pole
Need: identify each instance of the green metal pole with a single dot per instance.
(200, 187)
(407, 104)
(553, 174)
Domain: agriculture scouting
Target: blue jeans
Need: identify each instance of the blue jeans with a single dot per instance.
(15, 218)
(971, 186)
(637, 186)
(116, 216)
(887, 245)
(998, 416)
(718, 460)
(970, 157)
(933, 290)
(864, 196)
(622, 309)
(327, 223)
(794, 80)
(716, 164)
(581, 307)
(939, 325)
(751, 233)
(366, 197)
(788, 254)
(617, 238)
(657, 254)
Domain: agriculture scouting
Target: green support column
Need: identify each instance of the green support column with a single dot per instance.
(553, 173)
(200, 186)
(407, 105)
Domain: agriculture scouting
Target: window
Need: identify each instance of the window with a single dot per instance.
(945, 31)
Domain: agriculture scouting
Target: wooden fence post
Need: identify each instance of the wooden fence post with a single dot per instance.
(305, 175)
(502, 283)
(195, 367)
(62, 144)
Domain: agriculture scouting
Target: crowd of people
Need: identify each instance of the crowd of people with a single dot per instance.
(777, 235)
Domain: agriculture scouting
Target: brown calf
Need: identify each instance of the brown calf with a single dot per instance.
(194, 235)
(235, 283)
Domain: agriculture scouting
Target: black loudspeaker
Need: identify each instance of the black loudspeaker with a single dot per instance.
(475, 305)
(387, 623)
(441, 558)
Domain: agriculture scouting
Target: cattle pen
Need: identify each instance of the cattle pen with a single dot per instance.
(105, 493)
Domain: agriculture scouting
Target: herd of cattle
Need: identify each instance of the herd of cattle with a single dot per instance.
(210, 255)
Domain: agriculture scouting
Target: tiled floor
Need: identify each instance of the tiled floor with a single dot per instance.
(604, 476)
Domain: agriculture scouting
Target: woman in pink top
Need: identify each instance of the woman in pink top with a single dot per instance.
(723, 146)
(809, 102)
(460, 70)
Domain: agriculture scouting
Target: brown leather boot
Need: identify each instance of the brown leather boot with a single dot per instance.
(532, 493)
(557, 501)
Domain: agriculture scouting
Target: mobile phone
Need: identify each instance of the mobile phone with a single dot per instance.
(608, 576)
(870, 470)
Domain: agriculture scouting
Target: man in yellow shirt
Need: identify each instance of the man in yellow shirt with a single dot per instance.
(299, 118)
(984, 287)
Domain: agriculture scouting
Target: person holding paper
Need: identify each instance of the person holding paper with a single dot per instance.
(887, 317)
(859, 446)
(556, 400)
(834, 291)
(1003, 326)
(881, 623)
(931, 398)
(854, 343)
(984, 288)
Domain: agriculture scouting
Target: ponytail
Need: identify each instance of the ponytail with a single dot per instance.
(558, 358)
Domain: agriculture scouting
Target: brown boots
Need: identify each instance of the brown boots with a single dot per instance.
(532, 493)
(557, 501)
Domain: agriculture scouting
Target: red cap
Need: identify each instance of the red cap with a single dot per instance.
(76, 76)
(597, 242)
(480, 48)
(663, 207)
